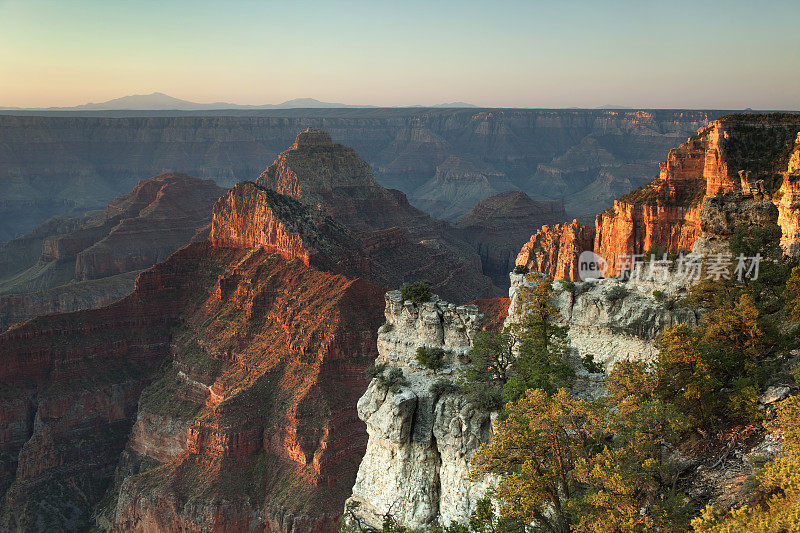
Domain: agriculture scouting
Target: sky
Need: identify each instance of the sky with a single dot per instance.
(724, 55)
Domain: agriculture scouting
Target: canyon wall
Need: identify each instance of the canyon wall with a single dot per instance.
(75, 162)
(222, 392)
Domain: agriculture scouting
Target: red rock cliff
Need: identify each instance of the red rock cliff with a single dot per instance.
(739, 153)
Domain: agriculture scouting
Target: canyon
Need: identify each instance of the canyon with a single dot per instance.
(223, 389)
(228, 390)
(444, 160)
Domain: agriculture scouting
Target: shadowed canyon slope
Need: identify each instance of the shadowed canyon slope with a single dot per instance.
(499, 225)
(445, 160)
(740, 169)
(222, 392)
(78, 263)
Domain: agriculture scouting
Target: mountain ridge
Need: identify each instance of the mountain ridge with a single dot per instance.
(158, 101)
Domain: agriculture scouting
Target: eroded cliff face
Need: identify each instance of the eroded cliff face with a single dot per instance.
(253, 426)
(787, 200)
(554, 250)
(739, 160)
(72, 384)
(416, 464)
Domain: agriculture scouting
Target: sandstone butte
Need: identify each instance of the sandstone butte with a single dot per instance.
(221, 393)
(499, 225)
(68, 263)
(745, 158)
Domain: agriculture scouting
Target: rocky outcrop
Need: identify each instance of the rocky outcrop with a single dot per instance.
(554, 250)
(92, 261)
(420, 438)
(735, 160)
(249, 216)
(500, 224)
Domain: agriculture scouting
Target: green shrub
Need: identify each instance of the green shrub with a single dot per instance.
(617, 292)
(443, 386)
(658, 295)
(417, 292)
(375, 369)
(393, 379)
(567, 285)
(521, 269)
(588, 362)
(432, 358)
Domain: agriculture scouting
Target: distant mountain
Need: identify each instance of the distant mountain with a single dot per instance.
(164, 102)
(455, 104)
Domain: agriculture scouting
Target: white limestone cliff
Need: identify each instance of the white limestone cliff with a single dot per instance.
(417, 460)
(613, 320)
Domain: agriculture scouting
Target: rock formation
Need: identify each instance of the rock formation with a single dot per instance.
(420, 439)
(404, 243)
(500, 224)
(554, 250)
(739, 158)
(787, 198)
(611, 320)
(222, 392)
(70, 264)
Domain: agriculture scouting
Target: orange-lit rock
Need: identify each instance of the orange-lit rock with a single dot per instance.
(743, 154)
(788, 201)
(554, 250)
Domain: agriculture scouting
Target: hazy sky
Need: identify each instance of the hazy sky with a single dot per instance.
(731, 54)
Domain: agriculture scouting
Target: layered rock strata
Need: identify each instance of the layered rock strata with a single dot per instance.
(80, 263)
(332, 178)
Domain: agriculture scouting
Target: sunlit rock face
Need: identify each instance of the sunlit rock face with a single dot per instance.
(402, 242)
(554, 250)
(788, 201)
(417, 459)
(744, 161)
